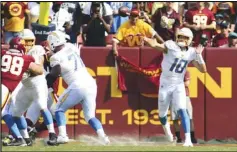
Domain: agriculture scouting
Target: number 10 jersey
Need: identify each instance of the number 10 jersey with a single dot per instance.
(175, 63)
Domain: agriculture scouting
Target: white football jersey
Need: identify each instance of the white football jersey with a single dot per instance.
(72, 67)
(175, 62)
(37, 52)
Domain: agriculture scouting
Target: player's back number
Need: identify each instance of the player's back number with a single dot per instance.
(12, 64)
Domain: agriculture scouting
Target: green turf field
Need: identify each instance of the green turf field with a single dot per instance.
(80, 147)
(123, 146)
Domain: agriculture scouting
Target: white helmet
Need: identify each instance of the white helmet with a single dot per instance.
(184, 32)
(56, 38)
(29, 38)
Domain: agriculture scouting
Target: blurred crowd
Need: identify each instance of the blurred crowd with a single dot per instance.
(96, 23)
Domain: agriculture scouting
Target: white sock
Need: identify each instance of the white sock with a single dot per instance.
(100, 132)
(62, 130)
(24, 133)
(187, 137)
(51, 128)
(166, 128)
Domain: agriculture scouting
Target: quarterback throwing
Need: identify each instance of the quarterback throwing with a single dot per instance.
(177, 56)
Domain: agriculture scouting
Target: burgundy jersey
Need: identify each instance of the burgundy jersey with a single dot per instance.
(203, 17)
(186, 78)
(219, 40)
(13, 67)
(166, 33)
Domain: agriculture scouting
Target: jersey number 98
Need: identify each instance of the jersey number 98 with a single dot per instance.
(13, 64)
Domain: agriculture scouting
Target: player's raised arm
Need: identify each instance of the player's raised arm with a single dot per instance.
(154, 44)
(199, 63)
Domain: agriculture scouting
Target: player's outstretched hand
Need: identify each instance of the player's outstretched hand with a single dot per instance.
(199, 49)
(150, 42)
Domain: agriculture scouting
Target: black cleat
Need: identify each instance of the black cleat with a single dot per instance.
(52, 139)
(32, 133)
(179, 140)
(8, 139)
(17, 142)
(194, 140)
(28, 141)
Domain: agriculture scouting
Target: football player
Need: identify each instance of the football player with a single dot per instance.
(82, 88)
(34, 92)
(175, 115)
(14, 64)
(176, 57)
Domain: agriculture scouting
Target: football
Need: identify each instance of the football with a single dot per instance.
(124, 11)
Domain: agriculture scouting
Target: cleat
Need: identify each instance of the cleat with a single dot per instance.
(28, 141)
(194, 140)
(188, 144)
(105, 140)
(179, 140)
(8, 139)
(169, 137)
(52, 139)
(17, 142)
(32, 133)
(62, 139)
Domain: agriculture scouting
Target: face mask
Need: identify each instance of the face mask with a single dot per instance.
(181, 44)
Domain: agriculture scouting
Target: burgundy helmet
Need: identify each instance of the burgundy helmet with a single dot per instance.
(18, 44)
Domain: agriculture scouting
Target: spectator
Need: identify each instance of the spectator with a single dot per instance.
(34, 8)
(228, 8)
(222, 38)
(144, 11)
(166, 21)
(232, 40)
(98, 20)
(60, 16)
(179, 8)
(74, 29)
(118, 20)
(155, 6)
(220, 18)
(201, 21)
(16, 18)
(131, 32)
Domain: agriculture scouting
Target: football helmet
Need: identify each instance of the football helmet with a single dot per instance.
(17, 43)
(56, 38)
(29, 38)
(181, 33)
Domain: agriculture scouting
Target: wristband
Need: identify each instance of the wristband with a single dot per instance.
(199, 59)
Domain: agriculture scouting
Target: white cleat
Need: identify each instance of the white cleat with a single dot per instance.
(170, 137)
(105, 140)
(188, 144)
(62, 139)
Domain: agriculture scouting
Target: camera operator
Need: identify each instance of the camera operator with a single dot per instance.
(98, 22)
